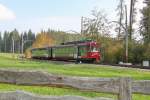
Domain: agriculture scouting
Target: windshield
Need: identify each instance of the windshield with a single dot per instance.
(94, 49)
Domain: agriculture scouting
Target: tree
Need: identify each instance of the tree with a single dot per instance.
(31, 37)
(15, 41)
(27, 39)
(24, 38)
(145, 22)
(120, 9)
(6, 41)
(12, 41)
(43, 40)
(65, 36)
(98, 25)
(132, 17)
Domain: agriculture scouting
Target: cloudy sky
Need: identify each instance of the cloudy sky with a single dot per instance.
(55, 14)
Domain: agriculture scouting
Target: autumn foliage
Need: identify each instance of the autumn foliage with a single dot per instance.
(43, 40)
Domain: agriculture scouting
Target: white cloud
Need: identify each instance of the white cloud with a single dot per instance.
(6, 13)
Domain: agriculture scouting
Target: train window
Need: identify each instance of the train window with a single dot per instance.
(94, 49)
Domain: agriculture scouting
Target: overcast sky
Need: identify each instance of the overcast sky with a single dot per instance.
(55, 14)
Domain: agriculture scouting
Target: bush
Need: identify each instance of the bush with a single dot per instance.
(146, 54)
(28, 53)
(112, 51)
(138, 52)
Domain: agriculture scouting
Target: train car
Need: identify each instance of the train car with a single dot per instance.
(89, 51)
(76, 50)
(41, 53)
(65, 52)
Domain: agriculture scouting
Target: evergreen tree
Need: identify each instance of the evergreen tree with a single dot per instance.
(6, 41)
(25, 38)
(15, 38)
(30, 38)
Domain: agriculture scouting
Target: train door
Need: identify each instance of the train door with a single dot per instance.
(82, 51)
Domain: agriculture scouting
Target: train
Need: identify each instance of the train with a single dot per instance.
(79, 51)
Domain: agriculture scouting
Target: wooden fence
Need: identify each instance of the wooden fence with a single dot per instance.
(21, 95)
(123, 87)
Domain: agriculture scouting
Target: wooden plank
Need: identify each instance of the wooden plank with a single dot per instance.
(125, 92)
(142, 87)
(20, 95)
(109, 85)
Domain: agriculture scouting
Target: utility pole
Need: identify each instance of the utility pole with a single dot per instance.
(22, 44)
(5, 45)
(126, 30)
(125, 27)
(13, 45)
(81, 25)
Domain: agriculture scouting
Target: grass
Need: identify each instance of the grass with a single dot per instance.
(53, 91)
(8, 61)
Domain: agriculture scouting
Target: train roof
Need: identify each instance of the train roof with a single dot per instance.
(39, 48)
(68, 44)
(76, 42)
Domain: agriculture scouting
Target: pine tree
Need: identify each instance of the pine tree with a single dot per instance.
(30, 38)
(25, 38)
(7, 43)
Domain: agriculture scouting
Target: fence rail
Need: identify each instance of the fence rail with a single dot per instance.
(123, 87)
(20, 95)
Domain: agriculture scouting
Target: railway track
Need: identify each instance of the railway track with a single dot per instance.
(54, 61)
(71, 62)
(129, 66)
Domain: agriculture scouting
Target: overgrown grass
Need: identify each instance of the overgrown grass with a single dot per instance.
(8, 61)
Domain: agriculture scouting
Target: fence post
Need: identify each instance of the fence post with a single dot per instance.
(125, 91)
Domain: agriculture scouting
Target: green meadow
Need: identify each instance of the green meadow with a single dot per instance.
(9, 61)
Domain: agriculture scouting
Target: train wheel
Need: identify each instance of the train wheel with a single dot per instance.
(94, 61)
(78, 61)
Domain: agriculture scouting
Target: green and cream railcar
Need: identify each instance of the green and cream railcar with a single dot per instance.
(63, 52)
(41, 53)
